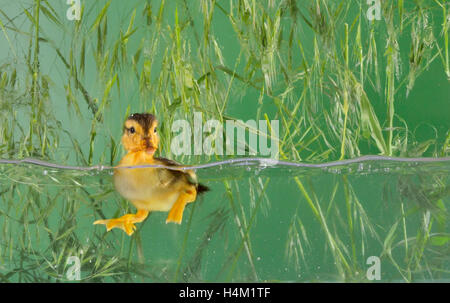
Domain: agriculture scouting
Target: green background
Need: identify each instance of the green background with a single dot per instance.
(67, 86)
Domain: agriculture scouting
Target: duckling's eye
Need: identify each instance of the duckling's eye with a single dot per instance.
(154, 130)
(132, 130)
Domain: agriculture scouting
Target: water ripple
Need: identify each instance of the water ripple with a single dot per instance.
(262, 162)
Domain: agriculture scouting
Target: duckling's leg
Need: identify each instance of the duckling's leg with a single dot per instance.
(176, 212)
(126, 222)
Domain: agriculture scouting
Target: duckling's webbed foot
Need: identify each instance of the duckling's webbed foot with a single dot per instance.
(176, 212)
(126, 222)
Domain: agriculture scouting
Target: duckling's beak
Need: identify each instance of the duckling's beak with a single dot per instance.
(149, 147)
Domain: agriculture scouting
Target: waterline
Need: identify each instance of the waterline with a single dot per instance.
(236, 161)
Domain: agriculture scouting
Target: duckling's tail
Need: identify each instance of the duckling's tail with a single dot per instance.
(202, 188)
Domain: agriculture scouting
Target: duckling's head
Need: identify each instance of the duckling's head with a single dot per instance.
(140, 133)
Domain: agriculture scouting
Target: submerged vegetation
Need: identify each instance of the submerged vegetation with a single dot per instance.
(335, 80)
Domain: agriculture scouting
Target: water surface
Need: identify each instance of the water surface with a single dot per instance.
(261, 221)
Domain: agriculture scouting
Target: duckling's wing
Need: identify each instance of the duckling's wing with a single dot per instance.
(170, 176)
(166, 162)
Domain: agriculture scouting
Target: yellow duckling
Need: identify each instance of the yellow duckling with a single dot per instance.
(150, 189)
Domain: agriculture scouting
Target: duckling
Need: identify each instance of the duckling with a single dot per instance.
(150, 189)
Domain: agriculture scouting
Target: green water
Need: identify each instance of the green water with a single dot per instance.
(340, 86)
(258, 223)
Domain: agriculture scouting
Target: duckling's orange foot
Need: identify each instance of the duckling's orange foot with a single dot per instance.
(176, 213)
(126, 222)
(123, 223)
